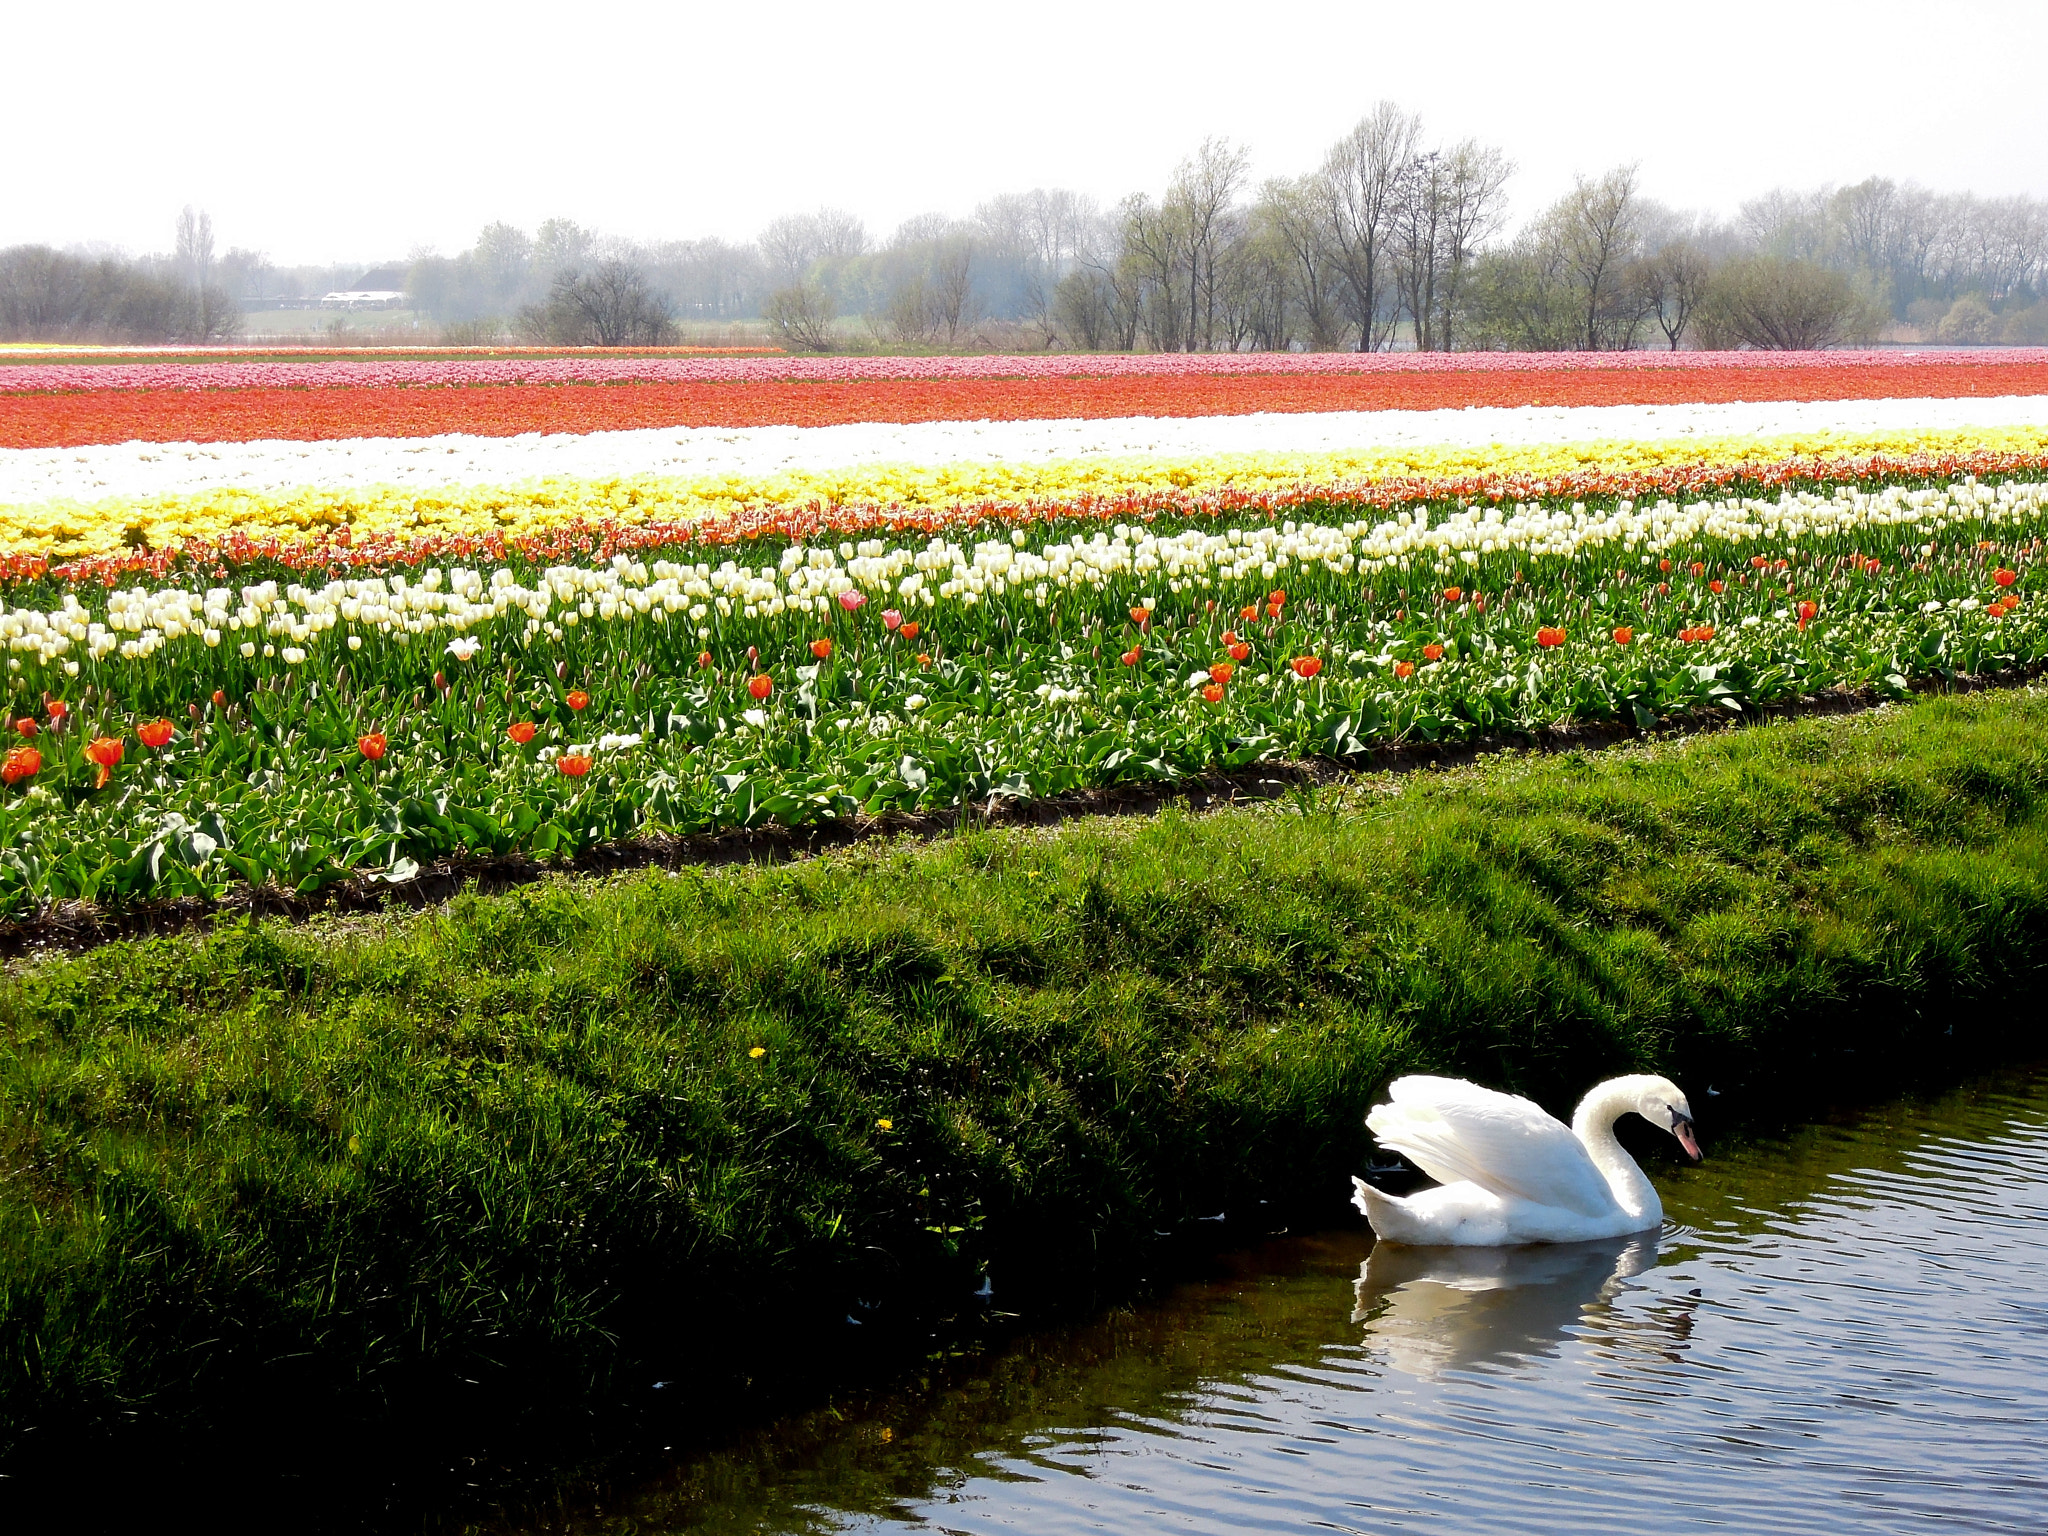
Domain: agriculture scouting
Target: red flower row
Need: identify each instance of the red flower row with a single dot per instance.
(77, 418)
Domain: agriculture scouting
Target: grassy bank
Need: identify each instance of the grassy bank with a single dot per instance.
(532, 1147)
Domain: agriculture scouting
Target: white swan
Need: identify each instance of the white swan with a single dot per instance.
(1509, 1173)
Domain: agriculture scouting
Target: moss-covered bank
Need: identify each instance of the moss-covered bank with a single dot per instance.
(503, 1153)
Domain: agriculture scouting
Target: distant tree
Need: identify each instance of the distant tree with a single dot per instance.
(801, 316)
(1362, 175)
(1672, 282)
(1969, 322)
(1596, 231)
(1296, 216)
(608, 304)
(195, 246)
(1782, 304)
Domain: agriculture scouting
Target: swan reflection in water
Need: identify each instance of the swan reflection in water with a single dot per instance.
(1432, 1310)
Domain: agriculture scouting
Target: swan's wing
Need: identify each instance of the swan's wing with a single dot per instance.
(1455, 1131)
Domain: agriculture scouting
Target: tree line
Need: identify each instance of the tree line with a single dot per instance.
(1393, 240)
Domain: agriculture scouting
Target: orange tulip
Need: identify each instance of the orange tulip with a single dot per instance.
(821, 649)
(1624, 636)
(105, 751)
(1213, 693)
(155, 732)
(220, 699)
(373, 746)
(574, 764)
(1306, 667)
(1130, 657)
(2004, 577)
(1230, 637)
(1432, 653)
(1249, 613)
(578, 699)
(1404, 669)
(703, 659)
(1221, 673)
(923, 659)
(1141, 617)
(760, 685)
(1239, 651)
(1454, 594)
(26, 726)
(910, 630)
(58, 708)
(521, 731)
(1716, 587)
(21, 763)
(1549, 635)
(1808, 611)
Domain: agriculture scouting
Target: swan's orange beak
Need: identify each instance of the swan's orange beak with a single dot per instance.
(1681, 1127)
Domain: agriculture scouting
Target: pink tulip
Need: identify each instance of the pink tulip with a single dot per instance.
(850, 600)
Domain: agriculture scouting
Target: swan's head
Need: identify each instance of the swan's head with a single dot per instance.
(1660, 1103)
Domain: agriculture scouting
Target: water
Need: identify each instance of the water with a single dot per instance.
(1846, 1331)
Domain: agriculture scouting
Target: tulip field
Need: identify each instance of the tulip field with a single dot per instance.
(286, 623)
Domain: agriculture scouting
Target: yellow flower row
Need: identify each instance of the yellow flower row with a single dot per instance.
(78, 530)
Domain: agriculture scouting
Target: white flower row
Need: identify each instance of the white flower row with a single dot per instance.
(32, 476)
(814, 581)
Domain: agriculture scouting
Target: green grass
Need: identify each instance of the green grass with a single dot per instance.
(516, 1150)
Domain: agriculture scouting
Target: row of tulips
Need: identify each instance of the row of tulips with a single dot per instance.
(252, 412)
(328, 529)
(174, 740)
(670, 368)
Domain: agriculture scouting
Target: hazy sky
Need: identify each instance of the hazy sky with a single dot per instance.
(362, 132)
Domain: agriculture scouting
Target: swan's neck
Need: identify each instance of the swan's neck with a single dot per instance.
(1593, 1124)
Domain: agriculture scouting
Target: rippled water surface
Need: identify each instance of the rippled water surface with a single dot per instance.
(1847, 1331)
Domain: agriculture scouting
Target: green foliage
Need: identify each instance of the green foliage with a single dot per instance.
(518, 1141)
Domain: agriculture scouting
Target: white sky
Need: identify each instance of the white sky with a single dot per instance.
(360, 133)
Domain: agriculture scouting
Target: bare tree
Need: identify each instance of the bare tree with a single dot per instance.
(608, 305)
(797, 242)
(1204, 187)
(1595, 229)
(1363, 174)
(801, 316)
(1674, 280)
(1297, 217)
(195, 246)
(1782, 304)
